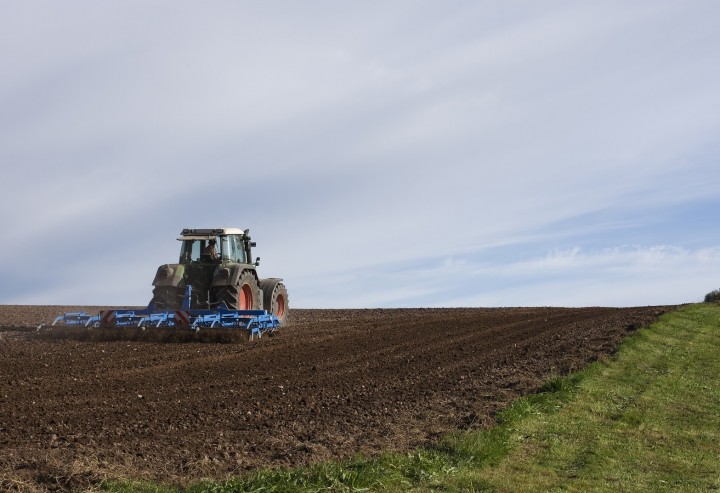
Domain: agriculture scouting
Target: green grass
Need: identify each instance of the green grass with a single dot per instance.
(649, 420)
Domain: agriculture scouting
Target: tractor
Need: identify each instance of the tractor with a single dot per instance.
(217, 265)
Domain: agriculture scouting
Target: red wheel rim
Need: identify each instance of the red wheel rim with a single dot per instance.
(246, 297)
(280, 304)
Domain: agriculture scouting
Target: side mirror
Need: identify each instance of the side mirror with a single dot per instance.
(257, 261)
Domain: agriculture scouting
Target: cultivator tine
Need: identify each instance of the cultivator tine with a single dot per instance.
(162, 319)
(200, 320)
(128, 318)
(76, 318)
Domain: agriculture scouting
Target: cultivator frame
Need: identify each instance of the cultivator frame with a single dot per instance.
(254, 322)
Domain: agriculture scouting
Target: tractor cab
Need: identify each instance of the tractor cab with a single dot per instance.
(214, 246)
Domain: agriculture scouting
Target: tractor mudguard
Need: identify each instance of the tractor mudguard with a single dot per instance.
(169, 275)
(269, 283)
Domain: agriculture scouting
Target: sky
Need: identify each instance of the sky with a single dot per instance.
(383, 154)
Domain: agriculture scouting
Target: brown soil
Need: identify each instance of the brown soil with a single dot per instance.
(331, 384)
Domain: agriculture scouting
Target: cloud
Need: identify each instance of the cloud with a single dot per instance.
(623, 276)
(357, 139)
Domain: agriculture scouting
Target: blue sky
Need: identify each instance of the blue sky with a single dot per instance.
(383, 154)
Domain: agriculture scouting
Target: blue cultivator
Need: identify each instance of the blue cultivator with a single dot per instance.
(254, 322)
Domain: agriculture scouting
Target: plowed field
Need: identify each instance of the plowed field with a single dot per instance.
(331, 384)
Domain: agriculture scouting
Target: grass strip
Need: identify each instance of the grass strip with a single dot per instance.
(648, 420)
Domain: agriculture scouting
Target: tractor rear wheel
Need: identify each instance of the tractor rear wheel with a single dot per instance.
(275, 299)
(245, 295)
(167, 297)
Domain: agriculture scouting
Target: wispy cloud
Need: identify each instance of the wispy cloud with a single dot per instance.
(622, 276)
(355, 140)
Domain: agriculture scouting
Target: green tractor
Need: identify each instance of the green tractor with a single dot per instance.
(218, 264)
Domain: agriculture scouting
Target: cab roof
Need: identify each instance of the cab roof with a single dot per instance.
(207, 233)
